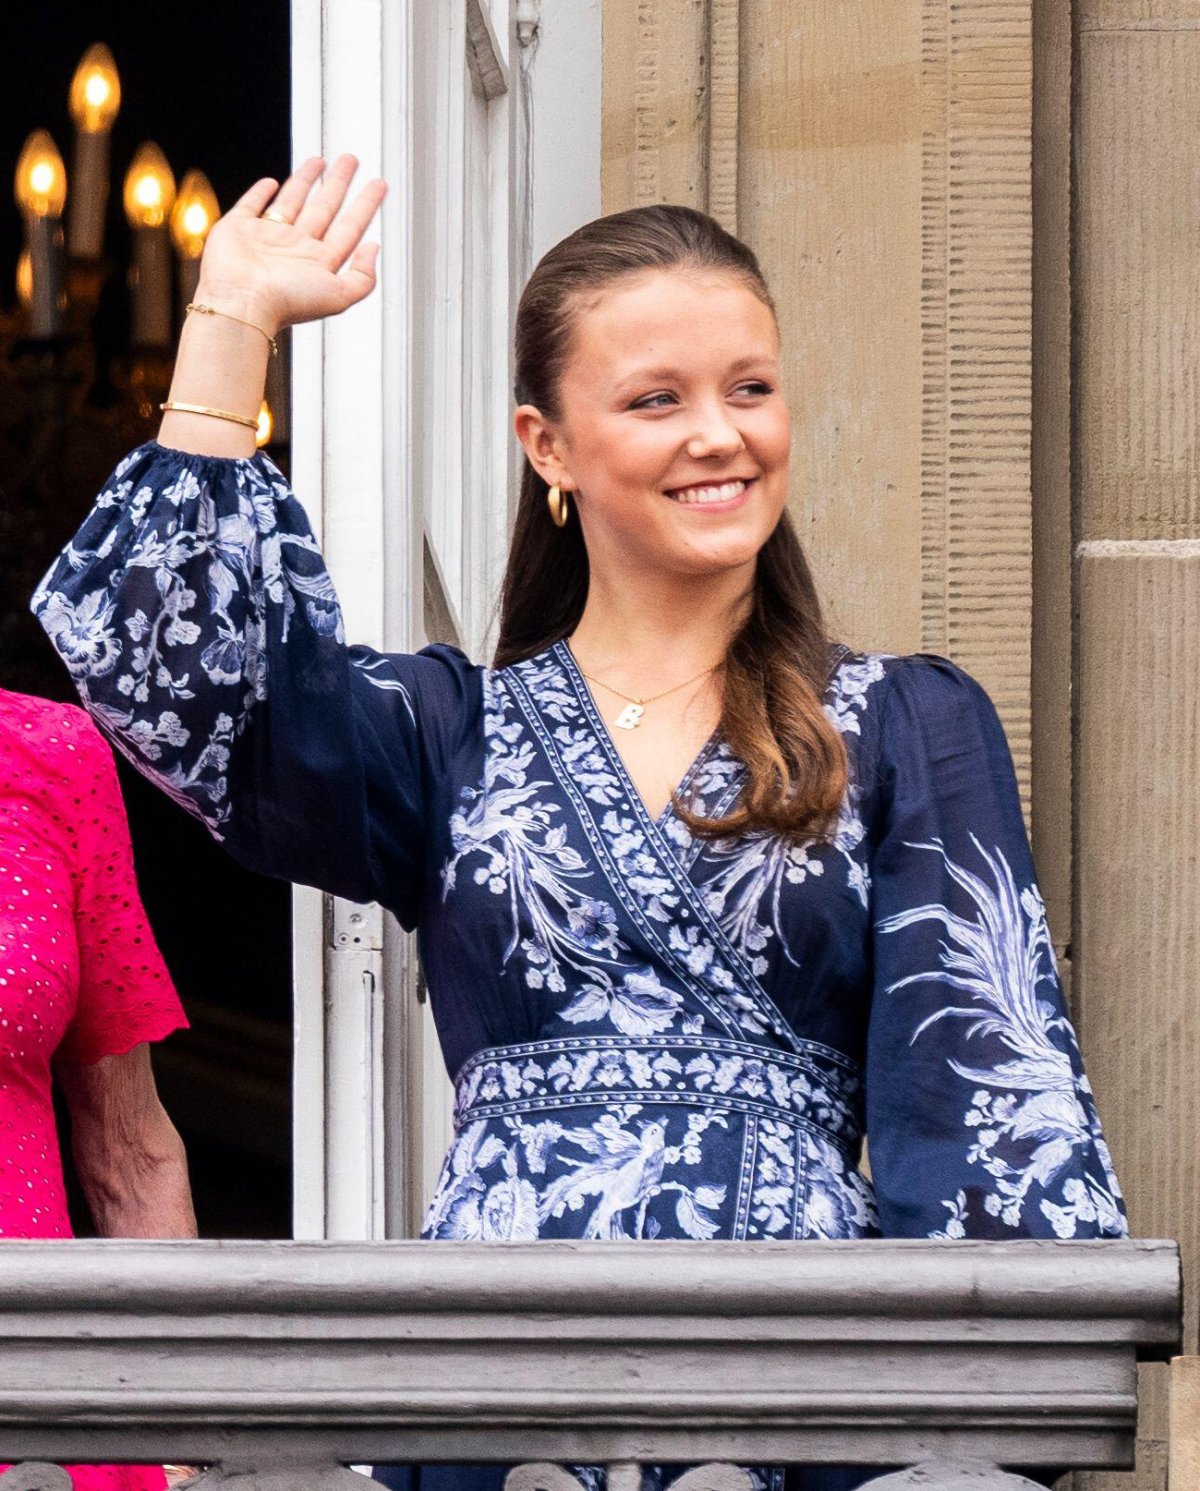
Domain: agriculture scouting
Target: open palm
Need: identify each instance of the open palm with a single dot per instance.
(306, 260)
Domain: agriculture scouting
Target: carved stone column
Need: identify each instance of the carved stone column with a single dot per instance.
(1136, 295)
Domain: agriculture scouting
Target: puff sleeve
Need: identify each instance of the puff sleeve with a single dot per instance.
(201, 627)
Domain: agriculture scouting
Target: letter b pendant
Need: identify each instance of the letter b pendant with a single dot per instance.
(630, 717)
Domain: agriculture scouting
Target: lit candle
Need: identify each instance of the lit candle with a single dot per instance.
(41, 191)
(194, 213)
(149, 197)
(94, 100)
(25, 280)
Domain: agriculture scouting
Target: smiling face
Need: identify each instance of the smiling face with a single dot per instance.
(674, 435)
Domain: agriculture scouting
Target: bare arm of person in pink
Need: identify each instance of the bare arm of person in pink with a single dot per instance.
(83, 991)
(128, 1155)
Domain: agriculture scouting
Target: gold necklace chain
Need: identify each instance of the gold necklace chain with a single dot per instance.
(629, 698)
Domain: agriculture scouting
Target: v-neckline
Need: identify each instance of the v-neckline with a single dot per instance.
(600, 729)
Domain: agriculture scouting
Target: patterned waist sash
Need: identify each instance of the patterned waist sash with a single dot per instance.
(818, 1088)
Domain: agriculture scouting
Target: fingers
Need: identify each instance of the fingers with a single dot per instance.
(294, 192)
(359, 278)
(252, 202)
(346, 233)
(324, 204)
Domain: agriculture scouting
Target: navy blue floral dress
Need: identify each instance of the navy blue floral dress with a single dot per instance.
(651, 1035)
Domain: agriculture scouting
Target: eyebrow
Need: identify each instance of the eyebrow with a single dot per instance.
(669, 375)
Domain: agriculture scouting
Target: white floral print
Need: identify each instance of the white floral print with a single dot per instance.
(1030, 1111)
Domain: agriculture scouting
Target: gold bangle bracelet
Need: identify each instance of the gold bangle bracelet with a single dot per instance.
(211, 310)
(173, 407)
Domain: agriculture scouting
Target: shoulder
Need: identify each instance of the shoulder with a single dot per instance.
(933, 686)
(864, 684)
(931, 711)
(56, 763)
(895, 709)
(58, 735)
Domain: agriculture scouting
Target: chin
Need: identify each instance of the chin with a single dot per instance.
(718, 559)
(719, 552)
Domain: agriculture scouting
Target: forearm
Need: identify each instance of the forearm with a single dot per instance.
(143, 1191)
(222, 364)
(129, 1158)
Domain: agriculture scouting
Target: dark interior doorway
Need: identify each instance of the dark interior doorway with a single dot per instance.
(210, 85)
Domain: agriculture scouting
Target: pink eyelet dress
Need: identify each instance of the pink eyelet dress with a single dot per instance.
(80, 975)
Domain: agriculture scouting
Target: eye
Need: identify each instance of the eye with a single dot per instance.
(661, 400)
(756, 388)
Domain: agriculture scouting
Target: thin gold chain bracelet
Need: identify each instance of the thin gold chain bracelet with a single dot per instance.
(211, 310)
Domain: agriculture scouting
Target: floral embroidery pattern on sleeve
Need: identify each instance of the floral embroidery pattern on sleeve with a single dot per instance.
(1031, 1107)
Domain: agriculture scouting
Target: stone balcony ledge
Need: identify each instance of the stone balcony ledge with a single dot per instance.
(880, 1352)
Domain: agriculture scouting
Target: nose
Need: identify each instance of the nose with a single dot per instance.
(715, 435)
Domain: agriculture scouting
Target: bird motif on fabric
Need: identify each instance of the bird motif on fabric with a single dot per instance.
(626, 1172)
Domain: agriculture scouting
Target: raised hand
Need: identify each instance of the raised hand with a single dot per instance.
(290, 253)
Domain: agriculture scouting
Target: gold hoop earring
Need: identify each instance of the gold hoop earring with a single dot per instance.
(559, 511)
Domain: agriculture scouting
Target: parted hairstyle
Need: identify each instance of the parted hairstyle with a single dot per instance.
(778, 661)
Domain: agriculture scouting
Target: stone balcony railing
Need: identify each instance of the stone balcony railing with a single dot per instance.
(275, 1364)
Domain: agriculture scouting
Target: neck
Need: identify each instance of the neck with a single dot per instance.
(659, 632)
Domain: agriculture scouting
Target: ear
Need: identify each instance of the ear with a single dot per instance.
(544, 447)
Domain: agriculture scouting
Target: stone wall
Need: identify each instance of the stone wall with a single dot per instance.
(1136, 278)
(876, 155)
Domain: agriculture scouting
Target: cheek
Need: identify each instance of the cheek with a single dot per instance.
(625, 457)
(773, 435)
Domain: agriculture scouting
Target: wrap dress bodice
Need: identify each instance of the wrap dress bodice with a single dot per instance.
(652, 1034)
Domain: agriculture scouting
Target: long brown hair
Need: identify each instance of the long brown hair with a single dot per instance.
(778, 661)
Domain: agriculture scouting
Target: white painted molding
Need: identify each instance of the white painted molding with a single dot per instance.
(351, 466)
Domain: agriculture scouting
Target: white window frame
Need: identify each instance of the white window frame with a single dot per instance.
(396, 406)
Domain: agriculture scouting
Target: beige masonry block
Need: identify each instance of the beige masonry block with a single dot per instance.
(1138, 296)
(1053, 651)
(1185, 1422)
(1137, 13)
(655, 101)
(830, 198)
(1137, 968)
(976, 313)
(877, 156)
(885, 181)
(1137, 963)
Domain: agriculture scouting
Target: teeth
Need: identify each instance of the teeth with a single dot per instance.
(723, 493)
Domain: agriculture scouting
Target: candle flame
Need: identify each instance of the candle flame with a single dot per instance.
(266, 425)
(41, 178)
(196, 210)
(95, 93)
(149, 188)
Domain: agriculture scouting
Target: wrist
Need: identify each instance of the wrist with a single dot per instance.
(239, 301)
